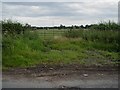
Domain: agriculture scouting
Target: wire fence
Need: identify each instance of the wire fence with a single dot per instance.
(51, 33)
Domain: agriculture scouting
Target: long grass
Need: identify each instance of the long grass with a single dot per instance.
(84, 47)
(27, 51)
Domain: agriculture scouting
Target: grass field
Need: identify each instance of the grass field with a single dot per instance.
(83, 47)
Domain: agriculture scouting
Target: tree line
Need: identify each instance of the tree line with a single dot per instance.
(10, 27)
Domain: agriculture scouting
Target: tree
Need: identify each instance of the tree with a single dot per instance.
(10, 27)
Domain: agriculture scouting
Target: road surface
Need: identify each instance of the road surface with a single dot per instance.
(86, 79)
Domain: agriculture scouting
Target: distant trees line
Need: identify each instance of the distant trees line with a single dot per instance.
(61, 27)
(101, 26)
(13, 27)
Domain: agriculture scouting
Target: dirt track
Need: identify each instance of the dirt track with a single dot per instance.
(61, 78)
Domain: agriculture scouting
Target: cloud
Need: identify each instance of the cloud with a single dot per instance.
(68, 13)
(0, 11)
(60, 1)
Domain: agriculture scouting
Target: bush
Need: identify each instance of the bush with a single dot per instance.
(10, 27)
(72, 33)
(106, 26)
(13, 28)
(94, 35)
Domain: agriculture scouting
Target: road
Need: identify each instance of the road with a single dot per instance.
(87, 79)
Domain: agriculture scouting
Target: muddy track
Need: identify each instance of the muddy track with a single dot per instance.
(62, 76)
(62, 79)
(58, 69)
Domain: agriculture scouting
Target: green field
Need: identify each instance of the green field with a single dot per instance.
(64, 46)
(33, 48)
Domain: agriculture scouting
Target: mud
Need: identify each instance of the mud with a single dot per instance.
(61, 78)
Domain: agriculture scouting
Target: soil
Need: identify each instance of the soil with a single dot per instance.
(59, 68)
(62, 76)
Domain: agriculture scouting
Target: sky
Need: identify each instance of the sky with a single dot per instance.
(65, 12)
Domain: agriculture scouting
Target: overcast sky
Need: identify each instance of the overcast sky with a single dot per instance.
(51, 13)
